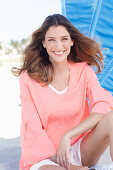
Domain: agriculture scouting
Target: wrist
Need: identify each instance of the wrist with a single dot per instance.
(68, 135)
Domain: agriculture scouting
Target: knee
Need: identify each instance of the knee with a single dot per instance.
(109, 119)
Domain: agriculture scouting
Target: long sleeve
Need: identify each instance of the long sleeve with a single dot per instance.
(35, 143)
(100, 100)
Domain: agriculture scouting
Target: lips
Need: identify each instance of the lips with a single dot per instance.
(59, 53)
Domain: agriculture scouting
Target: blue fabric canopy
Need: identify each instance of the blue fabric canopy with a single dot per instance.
(94, 18)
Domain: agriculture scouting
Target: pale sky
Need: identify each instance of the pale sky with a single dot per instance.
(19, 18)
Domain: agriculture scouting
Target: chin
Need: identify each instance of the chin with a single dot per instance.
(60, 60)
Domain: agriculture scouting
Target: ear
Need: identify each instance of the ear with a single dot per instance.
(43, 43)
(72, 42)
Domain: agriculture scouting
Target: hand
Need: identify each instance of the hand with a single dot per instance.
(63, 152)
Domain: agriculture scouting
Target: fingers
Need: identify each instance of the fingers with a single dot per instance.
(67, 161)
(63, 160)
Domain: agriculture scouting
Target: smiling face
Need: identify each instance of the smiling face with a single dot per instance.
(57, 43)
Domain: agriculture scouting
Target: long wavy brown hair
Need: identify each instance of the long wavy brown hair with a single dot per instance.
(36, 60)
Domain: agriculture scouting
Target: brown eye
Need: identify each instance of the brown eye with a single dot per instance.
(65, 39)
(51, 40)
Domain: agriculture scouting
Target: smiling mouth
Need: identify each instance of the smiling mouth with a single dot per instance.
(58, 53)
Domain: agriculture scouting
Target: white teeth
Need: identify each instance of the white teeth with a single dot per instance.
(58, 52)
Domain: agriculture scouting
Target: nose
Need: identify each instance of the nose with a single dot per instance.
(58, 45)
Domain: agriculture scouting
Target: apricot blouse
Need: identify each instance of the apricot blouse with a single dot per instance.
(46, 116)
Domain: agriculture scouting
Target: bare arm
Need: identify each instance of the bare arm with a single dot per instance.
(90, 122)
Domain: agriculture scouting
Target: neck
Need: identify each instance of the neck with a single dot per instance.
(60, 68)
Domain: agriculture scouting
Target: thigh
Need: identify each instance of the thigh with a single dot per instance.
(51, 167)
(42, 163)
(94, 143)
(54, 167)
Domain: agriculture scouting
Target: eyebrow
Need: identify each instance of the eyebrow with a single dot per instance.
(61, 37)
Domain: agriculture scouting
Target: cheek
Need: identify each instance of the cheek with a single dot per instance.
(67, 44)
(49, 50)
(68, 47)
(49, 46)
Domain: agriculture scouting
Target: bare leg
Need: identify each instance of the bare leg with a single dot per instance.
(97, 140)
(55, 167)
(51, 167)
(74, 167)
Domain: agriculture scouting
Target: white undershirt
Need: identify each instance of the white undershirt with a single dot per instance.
(55, 90)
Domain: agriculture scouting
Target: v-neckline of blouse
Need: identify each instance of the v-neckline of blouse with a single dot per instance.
(58, 91)
(69, 84)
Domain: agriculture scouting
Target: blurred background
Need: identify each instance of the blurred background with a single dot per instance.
(18, 19)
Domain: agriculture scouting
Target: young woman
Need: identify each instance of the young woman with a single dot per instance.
(59, 129)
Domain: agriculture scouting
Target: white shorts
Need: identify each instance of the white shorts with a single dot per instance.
(75, 157)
